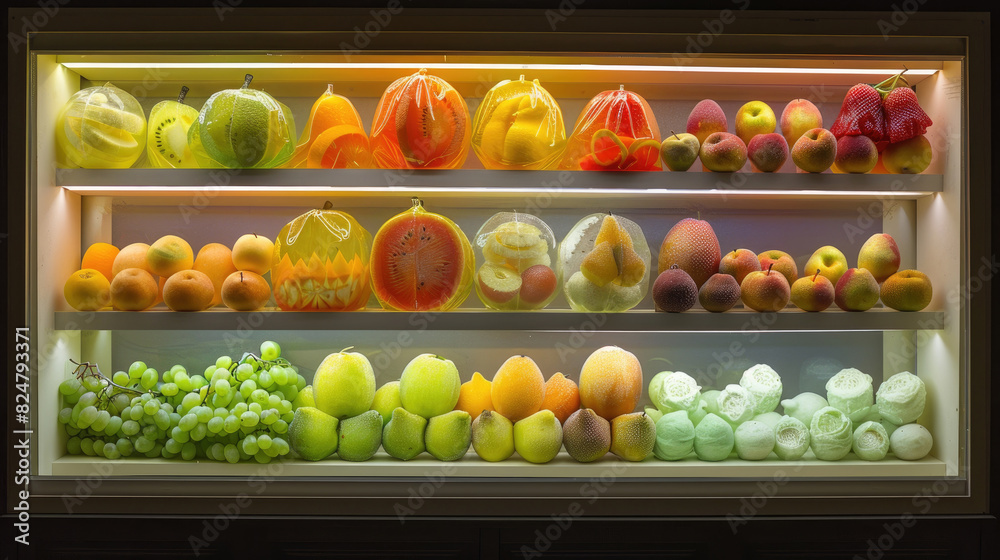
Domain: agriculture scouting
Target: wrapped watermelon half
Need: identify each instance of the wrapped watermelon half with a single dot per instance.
(421, 122)
(421, 261)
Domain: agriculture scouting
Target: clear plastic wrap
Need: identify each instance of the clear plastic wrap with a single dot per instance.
(616, 131)
(421, 122)
(605, 261)
(518, 125)
(167, 137)
(421, 261)
(517, 252)
(333, 137)
(100, 127)
(321, 263)
(241, 129)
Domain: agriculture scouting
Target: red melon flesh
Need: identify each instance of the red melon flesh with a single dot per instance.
(427, 122)
(418, 260)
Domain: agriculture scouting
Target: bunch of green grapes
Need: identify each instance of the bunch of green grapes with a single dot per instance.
(235, 411)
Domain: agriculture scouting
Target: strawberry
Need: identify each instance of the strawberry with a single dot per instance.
(861, 114)
(904, 117)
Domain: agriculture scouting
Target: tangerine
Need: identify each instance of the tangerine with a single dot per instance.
(216, 261)
(562, 396)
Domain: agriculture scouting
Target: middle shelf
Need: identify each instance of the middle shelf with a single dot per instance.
(464, 320)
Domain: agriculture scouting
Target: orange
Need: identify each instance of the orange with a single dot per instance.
(328, 111)
(518, 388)
(168, 255)
(474, 396)
(340, 147)
(87, 290)
(611, 382)
(562, 396)
(133, 289)
(132, 256)
(101, 256)
(216, 261)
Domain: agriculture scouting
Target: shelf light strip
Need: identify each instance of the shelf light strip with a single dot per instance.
(165, 189)
(489, 66)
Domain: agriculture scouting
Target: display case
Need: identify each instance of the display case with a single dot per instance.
(939, 218)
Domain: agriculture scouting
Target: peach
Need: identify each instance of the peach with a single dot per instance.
(133, 289)
(880, 255)
(856, 290)
(798, 117)
(813, 293)
(723, 152)
(907, 290)
(719, 293)
(768, 152)
(815, 151)
(753, 118)
(783, 263)
(705, 119)
(188, 290)
(674, 291)
(739, 263)
(856, 154)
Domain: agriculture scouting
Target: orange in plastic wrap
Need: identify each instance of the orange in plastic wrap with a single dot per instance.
(321, 263)
(518, 126)
(616, 131)
(421, 122)
(341, 150)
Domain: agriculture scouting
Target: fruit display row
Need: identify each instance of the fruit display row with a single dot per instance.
(421, 122)
(324, 260)
(237, 411)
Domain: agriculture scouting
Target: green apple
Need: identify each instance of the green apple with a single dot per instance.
(429, 386)
(830, 262)
(386, 400)
(312, 433)
(680, 151)
(448, 436)
(344, 384)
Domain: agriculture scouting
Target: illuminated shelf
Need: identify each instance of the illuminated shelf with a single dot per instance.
(473, 183)
(471, 465)
(879, 319)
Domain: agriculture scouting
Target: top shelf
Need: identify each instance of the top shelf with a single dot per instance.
(475, 182)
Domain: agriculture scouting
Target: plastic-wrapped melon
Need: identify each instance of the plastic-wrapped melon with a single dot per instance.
(167, 140)
(605, 262)
(518, 126)
(421, 261)
(616, 131)
(421, 122)
(321, 263)
(517, 252)
(333, 137)
(101, 127)
(243, 128)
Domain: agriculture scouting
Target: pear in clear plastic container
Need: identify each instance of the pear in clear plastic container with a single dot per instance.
(605, 261)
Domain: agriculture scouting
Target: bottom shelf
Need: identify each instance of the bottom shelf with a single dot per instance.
(563, 466)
